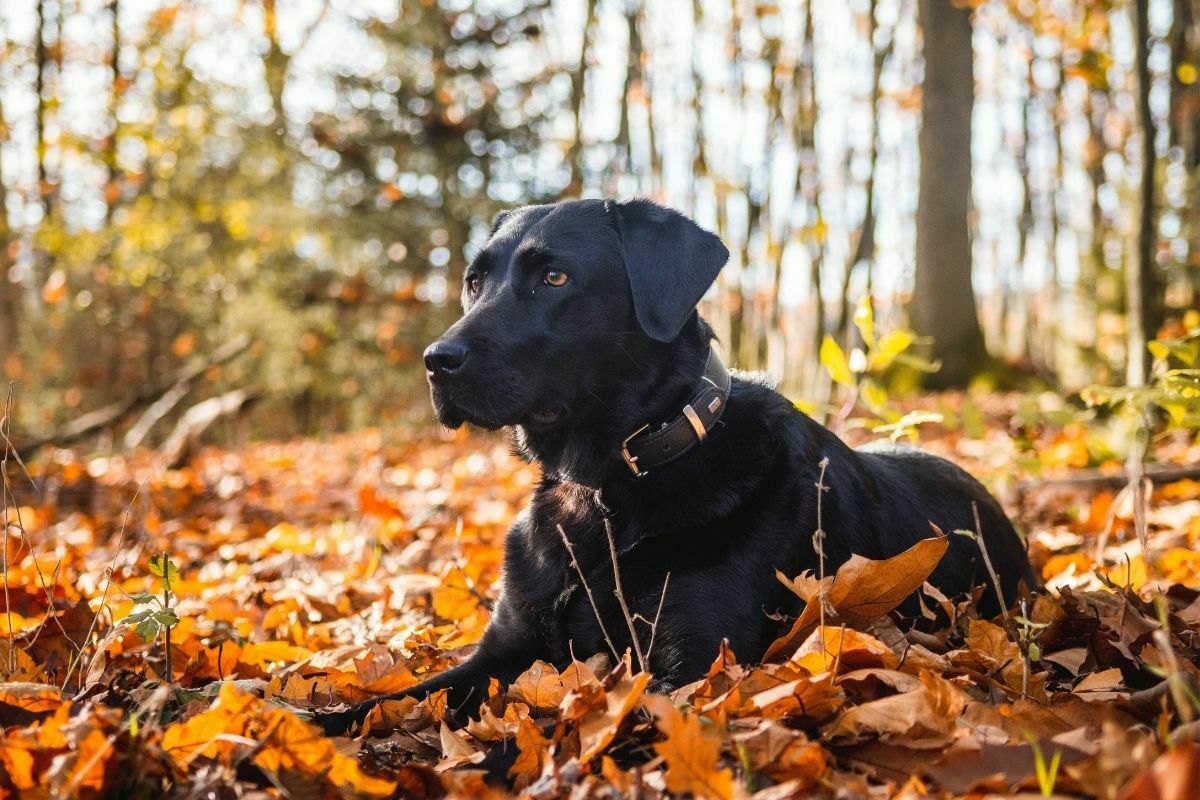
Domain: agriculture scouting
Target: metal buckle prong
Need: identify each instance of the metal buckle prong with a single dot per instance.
(630, 458)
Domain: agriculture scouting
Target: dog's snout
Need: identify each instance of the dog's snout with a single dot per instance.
(445, 357)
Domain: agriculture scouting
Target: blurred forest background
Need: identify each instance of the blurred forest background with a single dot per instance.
(268, 204)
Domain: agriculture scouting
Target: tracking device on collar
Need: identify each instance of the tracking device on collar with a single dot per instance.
(643, 451)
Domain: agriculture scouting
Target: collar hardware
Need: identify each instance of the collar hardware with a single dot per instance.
(644, 450)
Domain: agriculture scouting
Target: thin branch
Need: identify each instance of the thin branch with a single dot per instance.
(588, 589)
(657, 614)
(987, 562)
(819, 547)
(612, 551)
(12, 663)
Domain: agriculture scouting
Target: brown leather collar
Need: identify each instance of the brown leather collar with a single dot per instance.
(644, 450)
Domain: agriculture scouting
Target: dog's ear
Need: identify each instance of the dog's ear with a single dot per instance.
(671, 262)
(498, 221)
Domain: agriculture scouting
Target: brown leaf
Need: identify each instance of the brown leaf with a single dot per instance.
(1173, 776)
(924, 718)
(864, 589)
(782, 754)
(456, 751)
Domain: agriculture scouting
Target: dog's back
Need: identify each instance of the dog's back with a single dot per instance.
(919, 488)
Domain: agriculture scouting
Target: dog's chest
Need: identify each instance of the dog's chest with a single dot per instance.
(573, 589)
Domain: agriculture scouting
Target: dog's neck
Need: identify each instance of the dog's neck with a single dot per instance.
(587, 449)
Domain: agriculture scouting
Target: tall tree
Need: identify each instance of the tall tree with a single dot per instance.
(1142, 293)
(943, 303)
(10, 293)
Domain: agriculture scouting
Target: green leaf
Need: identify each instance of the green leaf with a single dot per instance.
(162, 566)
(148, 629)
(833, 359)
(142, 597)
(138, 616)
(167, 618)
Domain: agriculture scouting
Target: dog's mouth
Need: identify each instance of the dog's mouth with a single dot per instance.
(453, 412)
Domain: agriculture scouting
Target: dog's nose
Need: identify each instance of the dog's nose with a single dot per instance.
(444, 358)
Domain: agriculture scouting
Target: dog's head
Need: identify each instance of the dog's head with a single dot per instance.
(558, 305)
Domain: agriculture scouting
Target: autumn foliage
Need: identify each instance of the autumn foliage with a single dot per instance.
(318, 573)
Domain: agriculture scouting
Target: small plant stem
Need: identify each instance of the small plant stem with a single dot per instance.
(657, 614)
(617, 590)
(12, 662)
(591, 599)
(819, 547)
(987, 562)
(166, 605)
(1135, 469)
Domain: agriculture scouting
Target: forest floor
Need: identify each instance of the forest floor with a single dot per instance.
(316, 572)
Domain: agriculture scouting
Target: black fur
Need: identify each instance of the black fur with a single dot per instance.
(575, 369)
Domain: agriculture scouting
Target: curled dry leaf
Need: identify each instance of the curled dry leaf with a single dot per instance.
(924, 718)
(862, 590)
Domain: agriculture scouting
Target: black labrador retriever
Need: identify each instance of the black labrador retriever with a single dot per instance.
(580, 333)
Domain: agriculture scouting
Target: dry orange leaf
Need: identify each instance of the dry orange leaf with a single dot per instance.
(690, 753)
(540, 686)
(864, 589)
(599, 728)
(533, 747)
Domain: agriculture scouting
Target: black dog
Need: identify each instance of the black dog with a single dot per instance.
(580, 333)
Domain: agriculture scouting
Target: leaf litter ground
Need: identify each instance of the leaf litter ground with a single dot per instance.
(315, 573)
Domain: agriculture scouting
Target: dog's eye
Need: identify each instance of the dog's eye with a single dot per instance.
(554, 277)
(473, 283)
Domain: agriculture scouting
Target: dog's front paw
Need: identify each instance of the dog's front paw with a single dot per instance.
(336, 723)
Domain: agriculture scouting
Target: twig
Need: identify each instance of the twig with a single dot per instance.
(5, 422)
(1135, 469)
(12, 656)
(108, 584)
(819, 547)
(612, 551)
(588, 590)
(987, 562)
(657, 614)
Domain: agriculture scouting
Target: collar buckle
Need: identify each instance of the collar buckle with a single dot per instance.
(630, 459)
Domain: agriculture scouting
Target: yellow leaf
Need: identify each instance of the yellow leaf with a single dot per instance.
(834, 361)
(864, 320)
(891, 344)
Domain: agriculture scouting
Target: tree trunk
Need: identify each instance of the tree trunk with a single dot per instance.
(943, 303)
(578, 85)
(39, 88)
(112, 188)
(1141, 278)
(10, 293)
